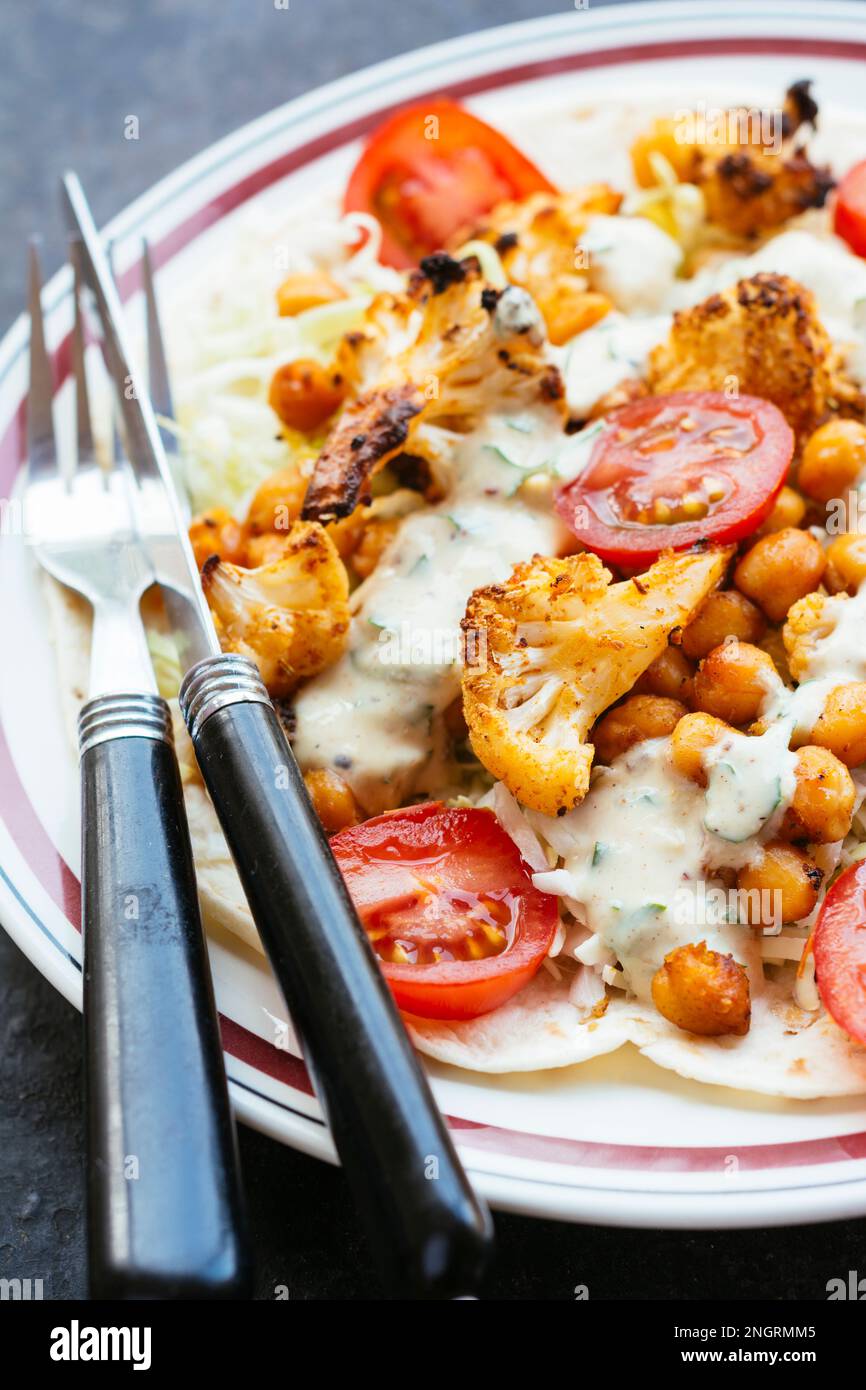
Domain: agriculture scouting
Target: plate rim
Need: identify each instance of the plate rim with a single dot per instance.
(307, 1132)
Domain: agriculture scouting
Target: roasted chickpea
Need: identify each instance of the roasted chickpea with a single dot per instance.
(307, 289)
(823, 801)
(724, 614)
(833, 459)
(304, 394)
(669, 675)
(332, 798)
(217, 533)
(694, 734)
(773, 643)
(790, 877)
(637, 718)
(703, 992)
(846, 563)
(779, 569)
(569, 308)
(841, 726)
(277, 502)
(347, 532)
(789, 509)
(665, 139)
(373, 542)
(733, 682)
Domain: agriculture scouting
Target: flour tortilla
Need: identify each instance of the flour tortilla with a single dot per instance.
(787, 1052)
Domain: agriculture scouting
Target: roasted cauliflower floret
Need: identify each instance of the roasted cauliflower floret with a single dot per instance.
(703, 992)
(764, 338)
(537, 243)
(539, 232)
(444, 354)
(290, 617)
(753, 174)
(748, 190)
(549, 650)
(369, 431)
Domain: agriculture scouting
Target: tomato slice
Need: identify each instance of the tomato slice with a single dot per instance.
(449, 906)
(432, 169)
(850, 216)
(839, 944)
(669, 471)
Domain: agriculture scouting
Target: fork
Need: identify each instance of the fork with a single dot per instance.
(164, 1206)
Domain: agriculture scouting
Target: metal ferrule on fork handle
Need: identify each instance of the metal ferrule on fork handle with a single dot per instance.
(123, 716)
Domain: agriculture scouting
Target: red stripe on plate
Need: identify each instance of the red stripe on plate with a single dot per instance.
(247, 1047)
(586, 1153)
(246, 188)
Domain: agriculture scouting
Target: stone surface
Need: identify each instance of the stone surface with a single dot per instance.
(192, 71)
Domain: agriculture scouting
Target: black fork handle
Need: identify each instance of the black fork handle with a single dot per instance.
(429, 1232)
(164, 1204)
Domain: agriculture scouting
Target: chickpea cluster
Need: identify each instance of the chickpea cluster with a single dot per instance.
(714, 678)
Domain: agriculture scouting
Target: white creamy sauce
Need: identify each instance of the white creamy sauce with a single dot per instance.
(750, 782)
(842, 652)
(610, 352)
(640, 862)
(517, 312)
(376, 715)
(632, 261)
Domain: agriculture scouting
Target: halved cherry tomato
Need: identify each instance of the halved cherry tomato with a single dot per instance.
(850, 217)
(432, 169)
(839, 944)
(449, 906)
(668, 471)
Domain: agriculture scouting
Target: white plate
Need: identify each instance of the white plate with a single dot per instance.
(616, 1140)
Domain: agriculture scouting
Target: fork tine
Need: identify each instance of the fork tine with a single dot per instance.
(84, 430)
(41, 443)
(159, 384)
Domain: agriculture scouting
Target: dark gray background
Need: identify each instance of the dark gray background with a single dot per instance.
(192, 70)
